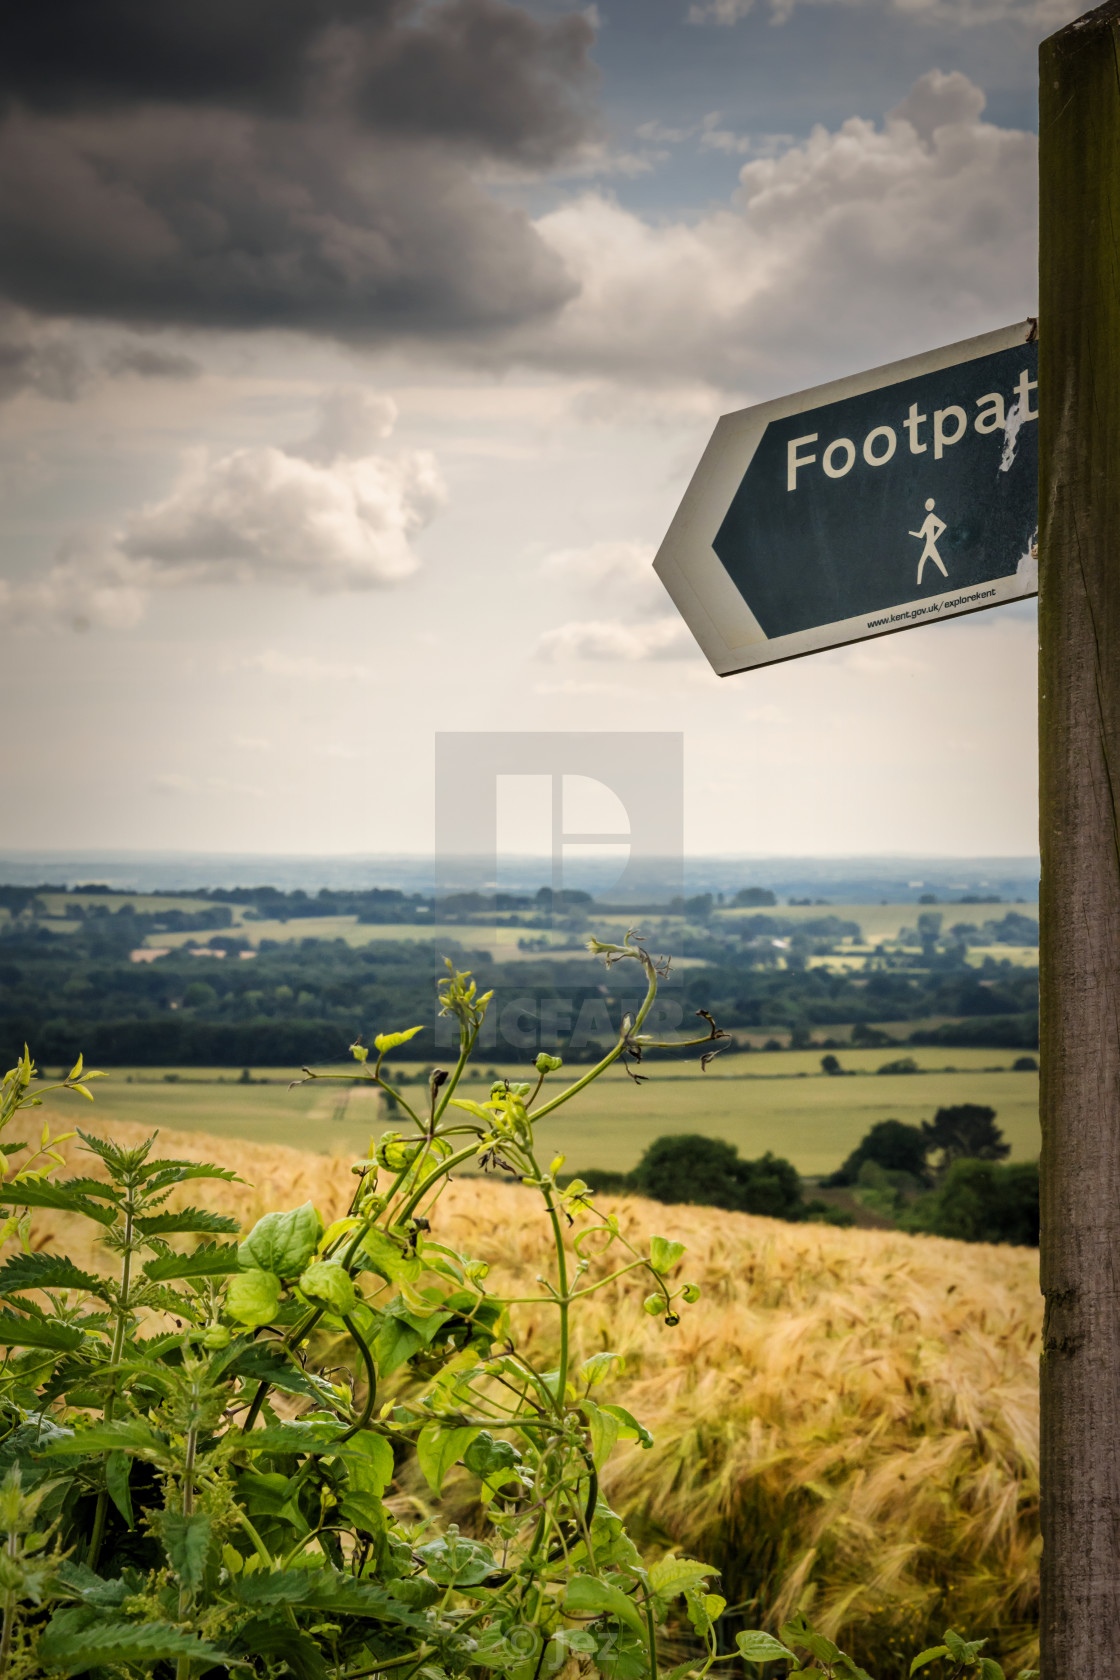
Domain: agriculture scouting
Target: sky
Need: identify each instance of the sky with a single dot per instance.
(355, 355)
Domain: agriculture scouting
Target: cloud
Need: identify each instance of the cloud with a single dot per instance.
(660, 638)
(304, 668)
(620, 573)
(482, 73)
(911, 233)
(143, 361)
(352, 421)
(1032, 14)
(158, 218)
(312, 165)
(39, 356)
(261, 515)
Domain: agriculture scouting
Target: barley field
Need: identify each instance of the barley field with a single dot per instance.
(778, 1101)
(846, 1422)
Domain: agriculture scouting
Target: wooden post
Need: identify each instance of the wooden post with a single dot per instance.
(1079, 670)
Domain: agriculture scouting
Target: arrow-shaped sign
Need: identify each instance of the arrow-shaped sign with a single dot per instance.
(872, 504)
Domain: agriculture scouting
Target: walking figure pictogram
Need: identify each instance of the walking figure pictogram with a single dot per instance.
(929, 531)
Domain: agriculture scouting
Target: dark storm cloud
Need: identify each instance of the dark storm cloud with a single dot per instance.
(298, 164)
(170, 217)
(144, 362)
(63, 55)
(34, 358)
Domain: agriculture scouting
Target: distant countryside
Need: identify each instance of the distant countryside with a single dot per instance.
(842, 1017)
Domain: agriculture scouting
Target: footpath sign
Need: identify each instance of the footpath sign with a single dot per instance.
(865, 506)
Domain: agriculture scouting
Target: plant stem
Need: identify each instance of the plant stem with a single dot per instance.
(9, 1609)
(371, 1382)
(101, 1511)
(183, 1666)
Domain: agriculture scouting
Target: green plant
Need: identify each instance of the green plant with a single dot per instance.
(955, 1657)
(197, 1450)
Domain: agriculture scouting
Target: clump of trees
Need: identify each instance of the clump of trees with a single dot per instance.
(946, 1177)
(709, 1172)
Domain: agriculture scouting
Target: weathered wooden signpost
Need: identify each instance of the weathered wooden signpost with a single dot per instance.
(1079, 725)
(941, 485)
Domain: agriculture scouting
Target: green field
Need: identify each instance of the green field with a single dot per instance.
(777, 1101)
(876, 921)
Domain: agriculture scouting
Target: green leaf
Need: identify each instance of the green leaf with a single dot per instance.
(663, 1254)
(588, 1596)
(630, 1429)
(762, 1647)
(42, 1193)
(990, 1669)
(364, 1511)
(672, 1575)
(81, 1638)
(165, 1173)
(438, 1448)
(478, 1110)
(283, 1242)
(962, 1650)
(186, 1540)
(295, 1438)
(455, 1560)
(599, 1367)
(603, 1429)
(118, 1470)
(390, 1041)
(46, 1271)
(188, 1219)
(38, 1333)
(130, 1435)
(326, 1589)
(329, 1285)
(211, 1260)
(370, 1463)
(253, 1297)
(485, 1455)
(798, 1632)
(272, 1363)
(928, 1656)
(381, 1254)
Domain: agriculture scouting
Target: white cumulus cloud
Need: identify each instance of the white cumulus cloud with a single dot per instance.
(328, 514)
(911, 233)
(616, 575)
(660, 638)
(1031, 14)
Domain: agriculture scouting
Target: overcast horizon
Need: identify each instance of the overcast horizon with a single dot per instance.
(355, 354)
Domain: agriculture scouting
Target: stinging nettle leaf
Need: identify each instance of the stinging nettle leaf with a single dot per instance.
(211, 1260)
(186, 1540)
(46, 1271)
(77, 1639)
(189, 1219)
(43, 1194)
(38, 1333)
